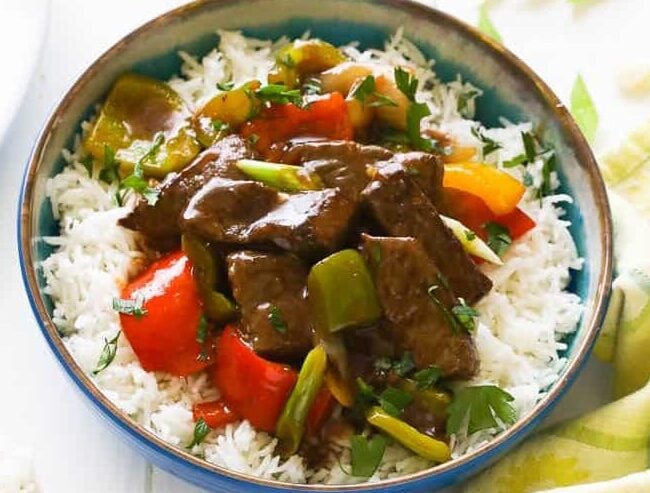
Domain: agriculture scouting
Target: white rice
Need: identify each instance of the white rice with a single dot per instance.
(522, 320)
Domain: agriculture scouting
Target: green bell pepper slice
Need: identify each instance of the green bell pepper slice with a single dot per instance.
(423, 445)
(291, 424)
(136, 110)
(217, 307)
(342, 293)
(284, 177)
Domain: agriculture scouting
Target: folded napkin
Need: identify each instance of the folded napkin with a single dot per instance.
(613, 441)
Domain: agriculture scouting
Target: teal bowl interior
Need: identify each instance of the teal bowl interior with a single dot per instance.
(511, 90)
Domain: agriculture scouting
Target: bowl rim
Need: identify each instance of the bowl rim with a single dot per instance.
(147, 438)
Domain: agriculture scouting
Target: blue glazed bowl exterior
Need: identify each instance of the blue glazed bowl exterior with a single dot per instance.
(511, 90)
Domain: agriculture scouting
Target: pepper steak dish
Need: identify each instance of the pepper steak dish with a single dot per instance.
(309, 250)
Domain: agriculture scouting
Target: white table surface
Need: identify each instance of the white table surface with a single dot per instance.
(73, 451)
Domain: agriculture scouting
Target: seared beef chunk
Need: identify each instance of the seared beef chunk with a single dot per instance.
(403, 274)
(249, 213)
(341, 164)
(270, 291)
(350, 166)
(309, 223)
(160, 223)
(425, 421)
(223, 210)
(402, 209)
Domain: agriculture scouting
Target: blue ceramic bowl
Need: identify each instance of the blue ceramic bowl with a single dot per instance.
(511, 90)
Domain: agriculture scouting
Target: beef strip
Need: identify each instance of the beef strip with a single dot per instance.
(403, 274)
(402, 209)
(262, 284)
(160, 223)
(312, 223)
(250, 213)
(350, 166)
(223, 210)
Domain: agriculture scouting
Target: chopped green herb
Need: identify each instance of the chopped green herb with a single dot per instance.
(405, 365)
(450, 319)
(201, 430)
(133, 307)
(108, 353)
(220, 126)
(279, 94)
(464, 99)
(427, 377)
(414, 115)
(87, 162)
(470, 235)
(225, 86)
(394, 401)
(253, 139)
(109, 172)
(375, 254)
(546, 187)
(498, 237)
(480, 406)
(406, 83)
(364, 89)
(528, 179)
(583, 109)
(486, 25)
(202, 330)
(366, 454)
(515, 161)
(530, 148)
(489, 145)
(136, 181)
(466, 315)
(277, 322)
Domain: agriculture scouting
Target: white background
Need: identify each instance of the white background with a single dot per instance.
(73, 451)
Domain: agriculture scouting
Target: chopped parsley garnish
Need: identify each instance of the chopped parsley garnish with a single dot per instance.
(480, 407)
(225, 86)
(277, 322)
(383, 364)
(427, 377)
(202, 330)
(414, 115)
(366, 391)
(87, 162)
(220, 126)
(406, 83)
(253, 139)
(366, 454)
(464, 99)
(546, 187)
(279, 94)
(489, 145)
(108, 353)
(136, 180)
(133, 307)
(499, 238)
(394, 401)
(368, 88)
(109, 172)
(201, 430)
(532, 151)
(450, 314)
(466, 315)
(470, 235)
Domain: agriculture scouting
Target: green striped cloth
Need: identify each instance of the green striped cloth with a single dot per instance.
(608, 449)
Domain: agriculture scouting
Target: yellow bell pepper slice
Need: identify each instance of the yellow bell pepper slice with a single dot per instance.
(500, 191)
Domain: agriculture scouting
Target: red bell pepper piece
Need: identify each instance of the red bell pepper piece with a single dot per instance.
(164, 338)
(215, 413)
(474, 213)
(320, 410)
(255, 389)
(326, 117)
